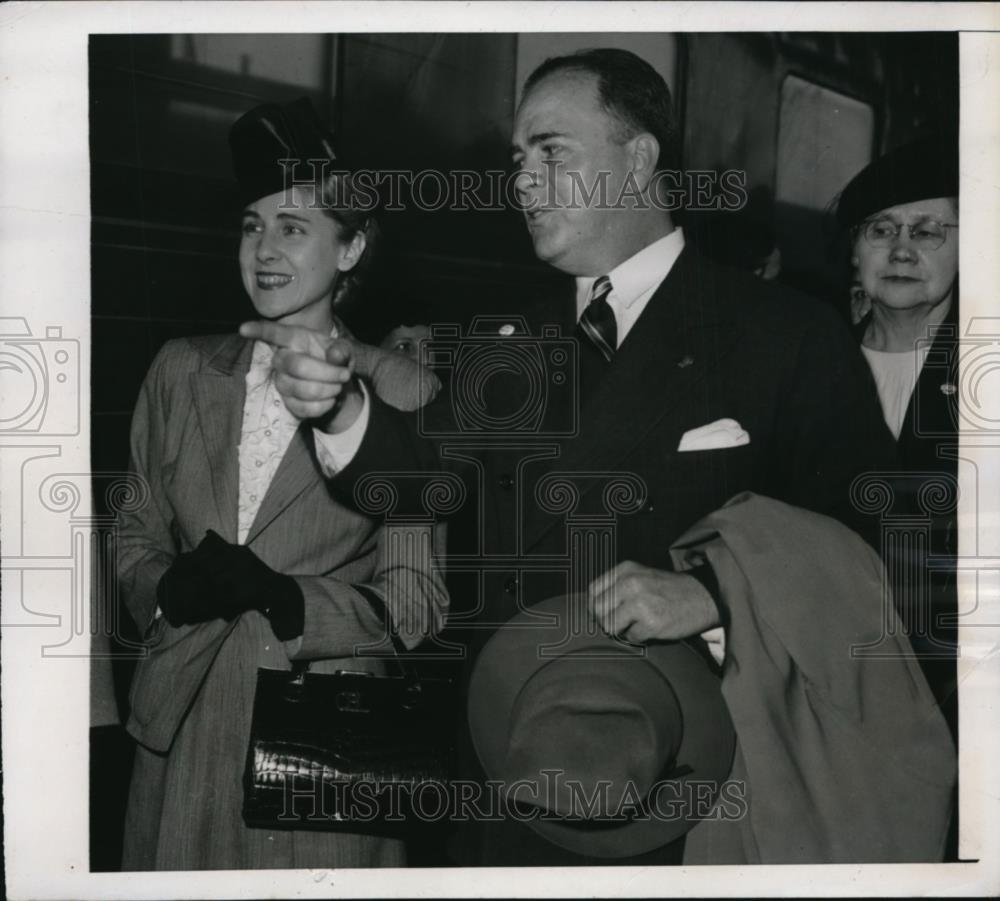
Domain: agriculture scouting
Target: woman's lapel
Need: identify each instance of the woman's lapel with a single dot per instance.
(219, 390)
(297, 471)
(219, 394)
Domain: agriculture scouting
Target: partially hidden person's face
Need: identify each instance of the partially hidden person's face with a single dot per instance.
(906, 274)
(405, 340)
(291, 256)
(563, 140)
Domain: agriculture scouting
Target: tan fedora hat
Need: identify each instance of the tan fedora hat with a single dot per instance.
(603, 748)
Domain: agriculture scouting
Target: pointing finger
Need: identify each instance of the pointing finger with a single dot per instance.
(292, 389)
(291, 337)
(308, 368)
(272, 332)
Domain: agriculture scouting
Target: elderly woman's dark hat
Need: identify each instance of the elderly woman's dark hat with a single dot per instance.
(272, 132)
(916, 171)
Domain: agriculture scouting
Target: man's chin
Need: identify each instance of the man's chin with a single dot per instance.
(559, 258)
(547, 250)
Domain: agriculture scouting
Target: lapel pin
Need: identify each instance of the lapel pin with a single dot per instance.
(948, 388)
(685, 361)
(506, 329)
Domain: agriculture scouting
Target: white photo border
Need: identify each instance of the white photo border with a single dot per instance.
(45, 256)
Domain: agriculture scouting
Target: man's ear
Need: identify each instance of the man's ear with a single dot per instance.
(353, 253)
(644, 153)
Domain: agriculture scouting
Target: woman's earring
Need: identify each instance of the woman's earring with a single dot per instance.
(861, 304)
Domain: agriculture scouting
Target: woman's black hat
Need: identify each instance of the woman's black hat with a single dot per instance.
(272, 132)
(916, 171)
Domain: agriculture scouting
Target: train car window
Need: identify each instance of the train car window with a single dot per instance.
(302, 60)
(824, 139)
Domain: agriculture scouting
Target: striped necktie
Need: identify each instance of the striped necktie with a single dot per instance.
(598, 320)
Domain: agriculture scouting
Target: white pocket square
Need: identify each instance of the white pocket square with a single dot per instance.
(718, 434)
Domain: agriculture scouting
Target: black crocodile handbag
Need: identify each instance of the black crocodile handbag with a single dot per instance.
(346, 751)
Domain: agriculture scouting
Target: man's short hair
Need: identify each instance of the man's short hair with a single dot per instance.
(629, 88)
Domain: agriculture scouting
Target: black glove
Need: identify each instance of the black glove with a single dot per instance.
(184, 594)
(239, 581)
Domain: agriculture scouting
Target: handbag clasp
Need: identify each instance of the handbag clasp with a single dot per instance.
(350, 702)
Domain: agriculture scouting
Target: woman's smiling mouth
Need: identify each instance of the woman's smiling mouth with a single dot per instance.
(269, 280)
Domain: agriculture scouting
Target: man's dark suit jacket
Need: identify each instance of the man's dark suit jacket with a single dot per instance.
(711, 343)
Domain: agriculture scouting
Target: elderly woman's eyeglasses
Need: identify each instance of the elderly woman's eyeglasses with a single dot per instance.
(928, 234)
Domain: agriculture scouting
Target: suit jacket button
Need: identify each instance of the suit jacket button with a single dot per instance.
(510, 586)
(506, 482)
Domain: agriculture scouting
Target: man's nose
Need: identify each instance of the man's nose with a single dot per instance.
(524, 182)
(529, 185)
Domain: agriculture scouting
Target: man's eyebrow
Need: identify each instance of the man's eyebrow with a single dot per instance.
(537, 138)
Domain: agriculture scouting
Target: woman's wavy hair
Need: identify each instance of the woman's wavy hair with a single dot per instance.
(353, 214)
